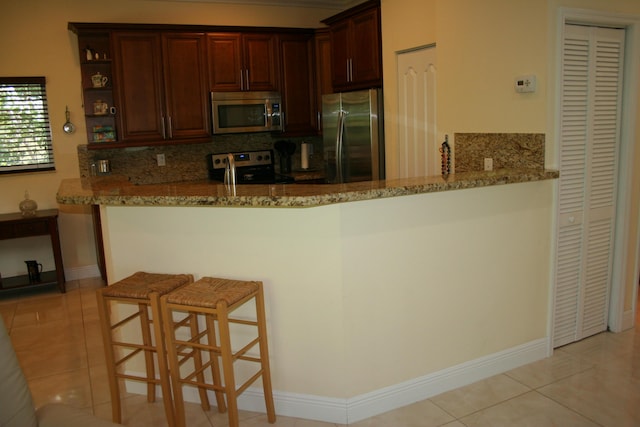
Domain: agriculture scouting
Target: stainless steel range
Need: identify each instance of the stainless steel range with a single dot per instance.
(252, 167)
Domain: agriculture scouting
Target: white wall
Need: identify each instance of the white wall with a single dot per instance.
(482, 46)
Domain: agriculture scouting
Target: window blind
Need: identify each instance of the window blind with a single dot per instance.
(25, 131)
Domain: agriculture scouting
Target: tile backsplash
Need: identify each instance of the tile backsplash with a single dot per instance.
(508, 151)
(185, 162)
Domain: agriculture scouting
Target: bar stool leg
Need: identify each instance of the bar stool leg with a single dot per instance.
(145, 328)
(227, 364)
(104, 312)
(174, 366)
(215, 363)
(197, 361)
(165, 384)
(264, 357)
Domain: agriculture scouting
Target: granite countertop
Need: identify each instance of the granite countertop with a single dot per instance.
(118, 191)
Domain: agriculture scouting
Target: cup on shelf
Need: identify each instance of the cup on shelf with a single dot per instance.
(100, 108)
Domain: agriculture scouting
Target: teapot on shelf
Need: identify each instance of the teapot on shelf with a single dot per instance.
(98, 80)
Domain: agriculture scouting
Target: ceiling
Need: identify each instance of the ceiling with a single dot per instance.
(326, 4)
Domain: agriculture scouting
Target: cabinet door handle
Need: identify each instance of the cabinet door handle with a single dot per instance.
(246, 73)
(348, 73)
(170, 127)
(351, 69)
(164, 130)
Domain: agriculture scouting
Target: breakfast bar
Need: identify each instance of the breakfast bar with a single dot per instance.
(378, 294)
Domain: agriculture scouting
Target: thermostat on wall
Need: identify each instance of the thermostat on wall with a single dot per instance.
(526, 84)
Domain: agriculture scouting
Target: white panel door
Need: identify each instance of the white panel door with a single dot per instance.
(418, 148)
(591, 95)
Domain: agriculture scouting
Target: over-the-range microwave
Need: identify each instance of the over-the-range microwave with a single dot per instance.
(236, 112)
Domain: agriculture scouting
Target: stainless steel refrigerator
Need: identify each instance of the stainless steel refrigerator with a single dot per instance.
(353, 136)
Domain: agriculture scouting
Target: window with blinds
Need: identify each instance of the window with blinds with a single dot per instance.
(25, 133)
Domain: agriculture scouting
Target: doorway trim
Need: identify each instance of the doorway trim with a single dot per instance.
(618, 320)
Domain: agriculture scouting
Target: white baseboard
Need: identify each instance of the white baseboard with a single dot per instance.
(347, 411)
(628, 320)
(85, 272)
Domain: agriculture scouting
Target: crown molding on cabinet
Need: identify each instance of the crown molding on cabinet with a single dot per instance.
(327, 4)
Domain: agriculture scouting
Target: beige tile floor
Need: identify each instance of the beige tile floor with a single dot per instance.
(594, 382)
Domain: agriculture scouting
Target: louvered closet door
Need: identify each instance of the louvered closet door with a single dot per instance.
(592, 61)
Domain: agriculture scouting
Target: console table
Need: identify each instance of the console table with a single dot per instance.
(45, 222)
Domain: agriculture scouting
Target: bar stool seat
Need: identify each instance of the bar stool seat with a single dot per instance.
(142, 290)
(203, 303)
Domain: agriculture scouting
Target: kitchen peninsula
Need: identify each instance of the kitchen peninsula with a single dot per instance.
(378, 294)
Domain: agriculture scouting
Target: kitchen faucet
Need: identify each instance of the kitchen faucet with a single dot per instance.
(230, 171)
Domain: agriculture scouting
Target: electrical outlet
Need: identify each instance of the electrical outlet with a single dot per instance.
(526, 84)
(161, 160)
(488, 164)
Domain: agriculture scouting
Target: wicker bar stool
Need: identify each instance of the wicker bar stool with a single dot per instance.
(142, 290)
(202, 304)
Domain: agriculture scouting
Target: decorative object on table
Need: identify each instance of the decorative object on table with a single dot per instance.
(100, 108)
(34, 268)
(68, 127)
(445, 153)
(103, 134)
(28, 207)
(98, 80)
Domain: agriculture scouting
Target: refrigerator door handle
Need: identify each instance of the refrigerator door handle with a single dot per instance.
(339, 137)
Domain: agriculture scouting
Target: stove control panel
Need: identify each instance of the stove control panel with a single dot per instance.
(243, 159)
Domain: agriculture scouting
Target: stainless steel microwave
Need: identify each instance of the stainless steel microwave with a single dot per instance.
(237, 112)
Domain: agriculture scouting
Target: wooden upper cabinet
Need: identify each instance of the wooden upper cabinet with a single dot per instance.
(356, 47)
(185, 83)
(323, 75)
(298, 84)
(341, 62)
(366, 47)
(242, 62)
(138, 68)
(162, 89)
